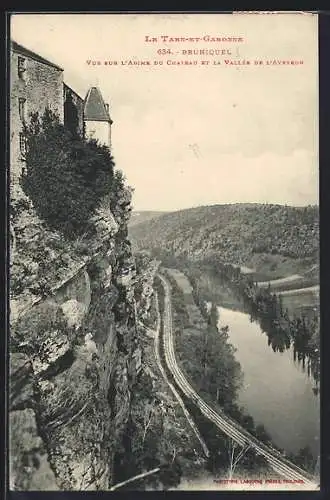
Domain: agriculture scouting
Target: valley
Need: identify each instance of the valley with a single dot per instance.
(270, 241)
(259, 265)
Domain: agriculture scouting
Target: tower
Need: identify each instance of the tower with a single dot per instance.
(97, 118)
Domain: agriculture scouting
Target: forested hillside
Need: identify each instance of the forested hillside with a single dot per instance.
(144, 216)
(272, 240)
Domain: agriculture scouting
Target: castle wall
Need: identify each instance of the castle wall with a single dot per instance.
(100, 130)
(71, 98)
(41, 87)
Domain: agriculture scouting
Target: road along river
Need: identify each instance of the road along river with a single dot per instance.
(225, 424)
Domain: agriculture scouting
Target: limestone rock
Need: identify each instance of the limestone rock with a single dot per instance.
(74, 312)
(28, 465)
(90, 345)
(53, 348)
(21, 382)
(105, 222)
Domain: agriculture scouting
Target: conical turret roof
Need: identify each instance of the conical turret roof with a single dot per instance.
(94, 107)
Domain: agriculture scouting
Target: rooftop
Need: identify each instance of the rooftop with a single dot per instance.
(66, 86)
(16, 47)
(95, 108)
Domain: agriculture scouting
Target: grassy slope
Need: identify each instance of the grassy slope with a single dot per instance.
(274, 240)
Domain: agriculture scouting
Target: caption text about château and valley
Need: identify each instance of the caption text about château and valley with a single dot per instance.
(165, 51)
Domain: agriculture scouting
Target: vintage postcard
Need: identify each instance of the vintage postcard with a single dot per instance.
(164, 252)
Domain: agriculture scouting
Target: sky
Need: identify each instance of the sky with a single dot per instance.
(190, 135)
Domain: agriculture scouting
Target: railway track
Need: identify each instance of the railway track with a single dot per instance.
(231, 428)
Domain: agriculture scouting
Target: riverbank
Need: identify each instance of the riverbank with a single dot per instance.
(288, 321)
(218, 442)
(187, 304)
(276, 391)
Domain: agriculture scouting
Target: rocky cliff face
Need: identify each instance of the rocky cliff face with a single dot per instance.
(75, 351)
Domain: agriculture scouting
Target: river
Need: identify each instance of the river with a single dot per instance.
(275, 392)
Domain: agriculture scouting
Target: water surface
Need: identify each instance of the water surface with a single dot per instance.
(276, 392)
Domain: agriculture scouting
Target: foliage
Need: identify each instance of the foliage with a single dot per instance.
(145, 215)
(218, 443)
(121, 195)
(213, 392)
(142, 261)
(33, 331)
(300, 332)
(70, 394)
(214, 281)
(208, 356)
(65, 177)
(153, 438)
(270, 237)
(145, 269)
(305, 459)
(63, 217)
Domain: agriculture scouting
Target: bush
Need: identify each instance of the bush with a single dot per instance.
(66, 177)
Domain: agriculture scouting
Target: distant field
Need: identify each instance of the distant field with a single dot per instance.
(301, 303)
(244, 269)
(275, 268)
(182, 282)
(300, 294)
(292, 282)
(302, 291)
(281, 281)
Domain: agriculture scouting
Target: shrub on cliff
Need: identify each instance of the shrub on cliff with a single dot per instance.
(121, 196)
(66, 176)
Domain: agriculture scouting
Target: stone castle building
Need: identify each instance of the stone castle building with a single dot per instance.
(97, 118)
(36, 84)
(73, 110)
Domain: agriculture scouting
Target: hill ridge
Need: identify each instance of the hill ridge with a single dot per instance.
(282, 238)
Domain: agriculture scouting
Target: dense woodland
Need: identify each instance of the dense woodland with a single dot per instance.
(79, 175)
(273, 238)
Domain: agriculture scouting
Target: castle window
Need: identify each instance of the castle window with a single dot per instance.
(22, 144)
(21, 67)
(21, 108)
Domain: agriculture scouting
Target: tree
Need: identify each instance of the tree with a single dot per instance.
(233, 448)
(170, 474)
(66, 177)
(305, 459)
(121, 195)
(262, 434)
